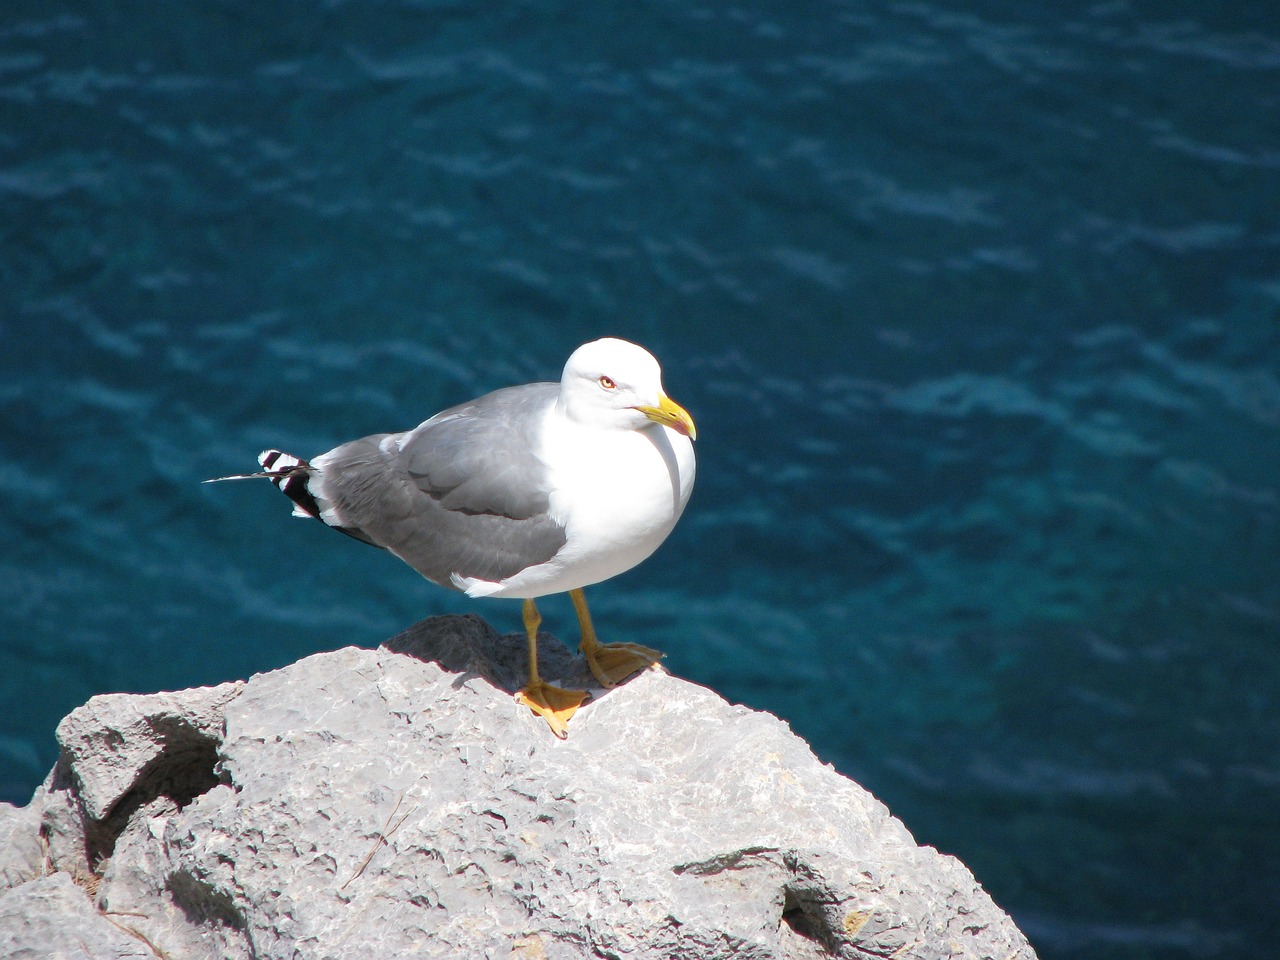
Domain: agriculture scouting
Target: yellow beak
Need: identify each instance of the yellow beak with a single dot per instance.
(671, 414)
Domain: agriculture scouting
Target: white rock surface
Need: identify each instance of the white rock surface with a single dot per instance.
(397, 802)
(51, 918)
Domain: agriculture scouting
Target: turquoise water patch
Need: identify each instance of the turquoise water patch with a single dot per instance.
(975, 306)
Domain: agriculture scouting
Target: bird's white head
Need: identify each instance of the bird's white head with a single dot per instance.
(614, 383)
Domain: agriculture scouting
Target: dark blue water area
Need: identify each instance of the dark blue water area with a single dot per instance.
(977, 306)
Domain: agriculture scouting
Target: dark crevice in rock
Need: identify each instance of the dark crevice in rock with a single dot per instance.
(746, 858)
(805, 918)
(62, 777)
(203, 905)
(185, 769)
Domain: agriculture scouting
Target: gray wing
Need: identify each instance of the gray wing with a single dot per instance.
(463, 493)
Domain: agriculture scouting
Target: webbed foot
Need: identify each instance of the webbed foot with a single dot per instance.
(611, 663)
(554, 704)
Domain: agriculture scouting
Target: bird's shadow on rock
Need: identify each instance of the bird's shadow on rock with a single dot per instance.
(467, 645)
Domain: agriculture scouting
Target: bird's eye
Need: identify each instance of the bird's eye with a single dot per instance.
(607, 383)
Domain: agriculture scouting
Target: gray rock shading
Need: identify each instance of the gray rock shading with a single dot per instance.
(397, 802)
(51, 918)
(22, 855)
(121, 751)
(117, 741)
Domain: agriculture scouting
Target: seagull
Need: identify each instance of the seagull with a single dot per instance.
(527, 491)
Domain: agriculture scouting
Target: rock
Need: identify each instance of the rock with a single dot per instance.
(21, 852)
(398, 800)
(51, 918)
(124, 744)
(120, 751)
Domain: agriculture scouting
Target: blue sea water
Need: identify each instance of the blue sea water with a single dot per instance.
(976, 305)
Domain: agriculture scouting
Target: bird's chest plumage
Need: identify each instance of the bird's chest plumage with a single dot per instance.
(618, 492)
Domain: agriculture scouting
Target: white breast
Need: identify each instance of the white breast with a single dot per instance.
(618, 493)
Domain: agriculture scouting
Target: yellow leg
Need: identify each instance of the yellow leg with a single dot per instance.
(554, 704)
(611, 663)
